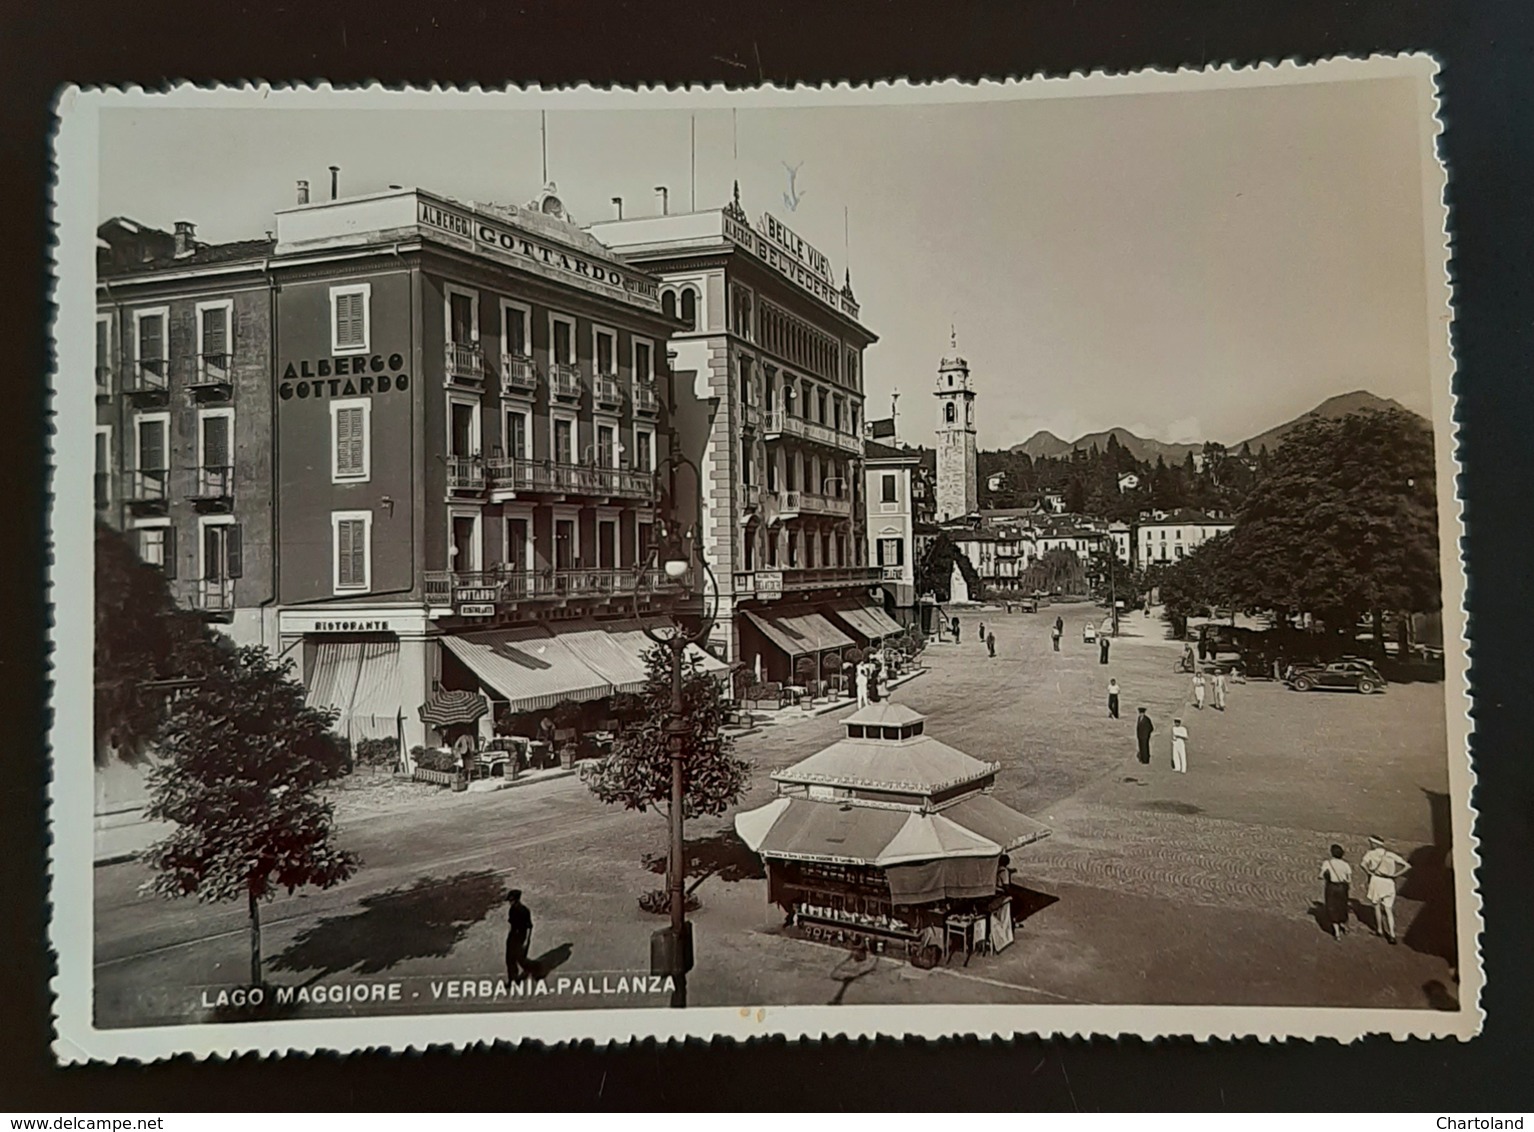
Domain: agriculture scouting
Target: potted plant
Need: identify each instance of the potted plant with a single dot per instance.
(805, 668)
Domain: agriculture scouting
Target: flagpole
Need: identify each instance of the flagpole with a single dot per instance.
(692, 195)
(543, 136)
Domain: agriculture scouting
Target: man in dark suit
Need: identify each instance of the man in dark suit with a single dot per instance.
(1143, 729)
(519, 933)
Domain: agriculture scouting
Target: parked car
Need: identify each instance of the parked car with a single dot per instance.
(1355, 675)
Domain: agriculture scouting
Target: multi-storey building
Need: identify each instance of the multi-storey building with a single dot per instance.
(471, 404)
(891, 474)
(771, 359)
(1164, 536)
(184, 335)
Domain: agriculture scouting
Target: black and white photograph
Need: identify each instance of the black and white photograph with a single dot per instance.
(952, 559)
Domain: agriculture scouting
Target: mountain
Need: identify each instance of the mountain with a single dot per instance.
(1333, 407)
(1046, 444)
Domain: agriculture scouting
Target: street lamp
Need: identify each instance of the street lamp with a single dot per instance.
(681, 559)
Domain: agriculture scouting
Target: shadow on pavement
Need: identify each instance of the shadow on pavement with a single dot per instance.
(849, 970)
(1439, 997)
(1027, 902)
(426, 920)
(722, 854)
(1431, 881)
(551, 960)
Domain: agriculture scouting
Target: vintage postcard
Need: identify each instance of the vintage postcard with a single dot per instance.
(954, 559)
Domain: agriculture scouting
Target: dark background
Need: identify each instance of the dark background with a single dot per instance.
(1485, 49)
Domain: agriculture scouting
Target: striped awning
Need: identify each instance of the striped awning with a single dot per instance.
(868, 621)
(800, 634)
(529, 667)
(362, 681)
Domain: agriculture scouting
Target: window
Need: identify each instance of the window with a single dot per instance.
(352, 538)
(689, 311)
(644, 450)
(152, 454)
(607, 446)
(949, 413)
(517, 443)
(793, 550)
(519, 543)
(215, 339)
(462, 316)
(149, 348)
(644, 361)
(104, 353)
(564, 440)
(215, 451)
(103, 480)
(222, 560)
(887, 488)
(350, 328)
(351, 440)
(891, 552)
(668, 303)
(607, 544)
(157, 545)
(464, 541)
(463, 428)
(604, 349)
(562, 341)
(644, 537)
(565, 548)
(740, 312)
(515, 339)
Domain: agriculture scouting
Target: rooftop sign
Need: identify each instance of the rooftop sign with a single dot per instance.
(781, 248)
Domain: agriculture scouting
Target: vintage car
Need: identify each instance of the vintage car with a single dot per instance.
(1352, 675)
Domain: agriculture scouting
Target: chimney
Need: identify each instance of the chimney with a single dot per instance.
(618, 202)
(665, 199)
(185, 230)
(303, 192)
(335, 181)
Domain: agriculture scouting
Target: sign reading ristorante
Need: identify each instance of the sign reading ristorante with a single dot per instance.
(507, 243)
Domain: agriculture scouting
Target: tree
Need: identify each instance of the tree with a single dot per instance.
(1075, 497)
(636, 773)
(1344, 523)
(141, 638)
(935, 571)
(244, 760)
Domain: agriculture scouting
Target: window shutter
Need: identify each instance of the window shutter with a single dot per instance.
(234, 551)
(357, 445)
(103, 347)
(214, 331)
(349, 321)
(212, 554)
(900, 553)
(168, 552)
(344, 552)
(879, 553)
(359, 552)
(151, 339)
(215, 442)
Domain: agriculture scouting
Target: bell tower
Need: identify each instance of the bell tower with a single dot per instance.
(957, 491)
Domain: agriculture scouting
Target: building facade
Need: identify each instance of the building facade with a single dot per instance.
(891, 480)
(769, 372)
(957, 461)
(184, 337)
(1169, 536)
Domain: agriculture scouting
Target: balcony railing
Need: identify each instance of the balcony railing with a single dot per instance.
(215, 595)
(465, 473)
(528, 476)
(812, 504)
(892, 573)
(795, 578)
(753, 415)
(444, 587)
(212, 373)
(150, 376)
(565, 381)
(518, 374)
(148, 485)
(646, 403)
(464, 361)
(606, 391)
(215, 482)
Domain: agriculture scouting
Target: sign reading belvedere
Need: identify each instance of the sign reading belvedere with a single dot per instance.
(782, 249)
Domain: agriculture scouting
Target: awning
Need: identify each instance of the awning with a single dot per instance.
(984, 815)
(867, 621)
(951, 878)
(754, 825)
(630, 634)
(800, 634)
(361, 680)
(616, 660)
(927, 837)
(530, 667)
(824, 831)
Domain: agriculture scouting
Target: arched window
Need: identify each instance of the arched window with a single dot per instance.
(668, 303)
(948, 413)
(690, 308)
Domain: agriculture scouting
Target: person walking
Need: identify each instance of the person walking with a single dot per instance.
(1102, 649)
(1336, 873)
(1179, 747)
(990, 642)
(1383, 868)
(1113, 699)
(519, 933)
(862, 683)
(953, 627)
(1199, 689)
(875, 675)
(1054, 636)
(1219, 690)
(1060, 624)
(982, 632)
(1143, 730)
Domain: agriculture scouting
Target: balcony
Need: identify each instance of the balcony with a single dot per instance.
(215, 596)
(793, 579)
(780, 424)
(465, 363)
(812, 504)
(564, 382)
(148, 489)
(751, 496)
(511, 477)
(646, 403)
(212, 379)
(465, 475)
(213, 488)
(511, 587)
(892, 573)
(149, 379)
(519, 376)
(606, 393)
(753, 415)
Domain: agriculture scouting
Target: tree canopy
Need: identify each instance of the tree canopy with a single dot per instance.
(934, 573)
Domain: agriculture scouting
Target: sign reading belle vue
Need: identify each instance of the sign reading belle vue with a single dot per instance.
(497, 238)
(782, 249)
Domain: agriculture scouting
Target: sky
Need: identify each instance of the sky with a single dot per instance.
(1188, 265)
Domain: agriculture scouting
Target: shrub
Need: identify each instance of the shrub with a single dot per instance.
(377, 752)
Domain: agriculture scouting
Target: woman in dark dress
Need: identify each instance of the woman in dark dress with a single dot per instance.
(1335, 875)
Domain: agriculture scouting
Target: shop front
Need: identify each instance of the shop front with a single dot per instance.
(797, 647)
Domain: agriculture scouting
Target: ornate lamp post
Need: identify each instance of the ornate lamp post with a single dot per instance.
(686, 570)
